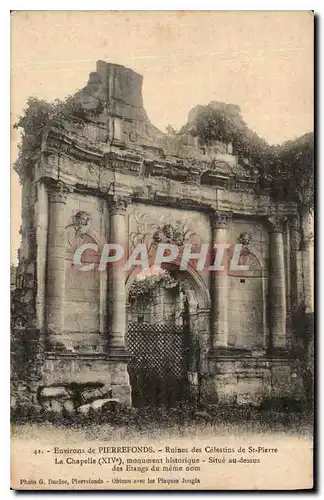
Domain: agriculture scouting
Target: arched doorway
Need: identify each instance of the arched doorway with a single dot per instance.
(163, 337)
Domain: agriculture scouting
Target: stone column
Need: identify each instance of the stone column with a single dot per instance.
(278, 307)
(56, 261)
(116, 276)
(295, 267)
(219, 284)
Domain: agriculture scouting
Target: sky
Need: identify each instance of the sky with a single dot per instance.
(262, 61)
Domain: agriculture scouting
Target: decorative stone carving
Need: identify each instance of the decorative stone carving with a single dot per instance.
(145, 192)
(220, 219)
(118, 204)
(277, 223)
(146, 168)
(193, 175)
(295, 223)
(153, 231)
(81, 222)
(245, 239)
(58, 192)
(168, 234)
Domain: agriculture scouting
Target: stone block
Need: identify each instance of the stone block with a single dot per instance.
(84, 409)
(104, 404)
(91, 394)
(54, 392)
(56, 406)
(69, 407)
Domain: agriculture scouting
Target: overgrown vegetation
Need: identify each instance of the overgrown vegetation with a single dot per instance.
(288, 167)
(142, 289)
(185, 419)
(26, 351)
(39, 113)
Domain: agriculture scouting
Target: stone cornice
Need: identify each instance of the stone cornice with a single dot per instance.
(56, 141)
(142, 163)
(142, 177)
(58, 192)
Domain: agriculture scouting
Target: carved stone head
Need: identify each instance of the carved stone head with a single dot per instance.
(178, 238)
(245, 239)
(159, 236)
(81, 222)
(168, 231)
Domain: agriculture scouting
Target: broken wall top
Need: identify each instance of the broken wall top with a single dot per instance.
(118, 122)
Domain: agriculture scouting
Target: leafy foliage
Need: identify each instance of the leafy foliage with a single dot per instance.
(293, 165)
(288, 167)
(171, 130)
(143, 288)
(40, 113)
(26, 346)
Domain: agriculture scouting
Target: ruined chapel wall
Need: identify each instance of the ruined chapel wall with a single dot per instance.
(248, 307)
(85, 297)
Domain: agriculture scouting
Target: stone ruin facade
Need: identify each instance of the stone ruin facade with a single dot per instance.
(116, 177)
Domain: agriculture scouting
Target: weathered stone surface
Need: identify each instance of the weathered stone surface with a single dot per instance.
(89, 395)
(56, 406)
(46, 405)
(104, 404)
(84, 409)
(249, 399)
(54, 392)
(69, 407)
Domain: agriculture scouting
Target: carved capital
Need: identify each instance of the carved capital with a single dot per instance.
(277, 223)
(58, 192)
(295, 222)
(118, 204)
(220, 219)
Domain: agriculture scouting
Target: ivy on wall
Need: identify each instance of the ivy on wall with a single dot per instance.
(26, 349)
(39, 113)
(288, 167)
(142, 289)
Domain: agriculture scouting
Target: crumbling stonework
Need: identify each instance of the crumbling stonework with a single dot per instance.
(116, 177)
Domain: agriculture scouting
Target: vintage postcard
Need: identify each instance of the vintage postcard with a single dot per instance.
(162, 250)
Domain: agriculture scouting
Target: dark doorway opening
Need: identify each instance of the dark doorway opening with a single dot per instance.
(158, 340)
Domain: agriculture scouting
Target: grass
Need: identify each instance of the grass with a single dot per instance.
(157, 423)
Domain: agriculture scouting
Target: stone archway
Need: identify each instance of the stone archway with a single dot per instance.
(167, 339)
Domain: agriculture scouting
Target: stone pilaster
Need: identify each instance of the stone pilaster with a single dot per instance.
(116, 277)
(278, 307)
(219, 285)
(56, 261)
